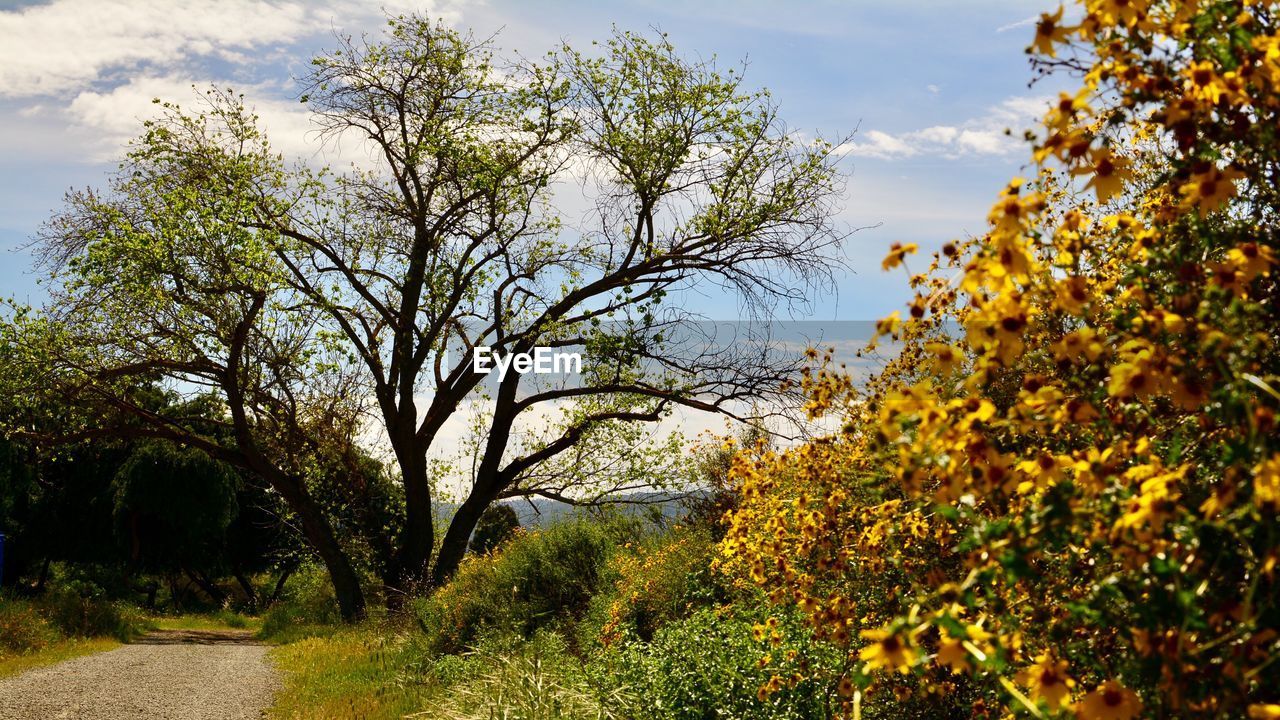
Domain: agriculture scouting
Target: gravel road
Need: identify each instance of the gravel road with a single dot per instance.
(169, 675)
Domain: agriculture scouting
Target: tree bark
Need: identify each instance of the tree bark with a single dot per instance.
(280, 582)
(346, 584)
(43, 579)
(454, 545)
(488, 484)
(213, 591)
(250, 594)
(408, 565)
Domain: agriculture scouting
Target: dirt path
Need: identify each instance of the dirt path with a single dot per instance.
(169, 674)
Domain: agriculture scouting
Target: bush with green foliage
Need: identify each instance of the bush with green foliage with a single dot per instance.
(660, 579)
(82, 608)
(497, 524)
(538, 580)
(712, 665)
(307, 603)
(83, 611)
(530, 679)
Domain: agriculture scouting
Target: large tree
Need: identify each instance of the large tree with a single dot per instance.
(318, 306)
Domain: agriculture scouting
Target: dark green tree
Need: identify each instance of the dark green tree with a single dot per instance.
(316, 306)
(173, 507)
(497, 525)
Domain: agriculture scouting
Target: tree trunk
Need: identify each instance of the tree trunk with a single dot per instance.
(454, 546)
(408, 565)
(320, 534)
(488, 483)
(280, 581)
(250, 594)
(174, 593)
(201, 581)
(43, 579)
(346, 584)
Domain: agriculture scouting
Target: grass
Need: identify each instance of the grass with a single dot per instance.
(224, 620)
(54, 653)
(379, 672)
(352, 673)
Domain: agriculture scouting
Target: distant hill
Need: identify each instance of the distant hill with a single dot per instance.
(542, 512)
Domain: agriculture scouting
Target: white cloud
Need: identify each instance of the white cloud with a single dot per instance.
(114, 116)
(1025, 22)
(979, 136)
(66, 45)
(81, 74)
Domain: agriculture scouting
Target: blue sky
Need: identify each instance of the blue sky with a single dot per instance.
(929, 85)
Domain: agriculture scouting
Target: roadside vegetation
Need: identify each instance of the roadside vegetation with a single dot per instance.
(594, 617)
(63, 624)
(1057, 498)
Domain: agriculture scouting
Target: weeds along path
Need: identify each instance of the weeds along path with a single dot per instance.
(170, 674)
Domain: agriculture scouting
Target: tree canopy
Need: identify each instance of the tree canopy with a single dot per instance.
(317, 306)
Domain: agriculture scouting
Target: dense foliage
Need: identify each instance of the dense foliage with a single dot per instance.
(1060, 498)
(321, 308)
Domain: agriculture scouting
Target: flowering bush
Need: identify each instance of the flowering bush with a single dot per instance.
(1060, 497)
(655, 583)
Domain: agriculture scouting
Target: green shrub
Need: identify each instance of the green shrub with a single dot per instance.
(26, 626)
(536, 580)
(232, 619)
(81, 609)
(497, 525)
(23, 628)
(710, 665)
(665, 578)
(307, 605)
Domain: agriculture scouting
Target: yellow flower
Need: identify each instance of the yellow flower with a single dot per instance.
(1252, 260)
(1043, 470)
(1227, 276)
(1110, 701)
(1209, 190)
(1072, 293)
(946, 357)
(1130, 379)
(1204, 83)
(1148, 511)
(1048, 680)
(1264, 712)
(889, 325)
(845, 687)
(1120, 12)
(1049, 30)
(767, 689)
(1079, 343)
(952, 654)
(897, 253)
(1011, 212)
(1108, 173)
(888, 650)
(1189, 393)
(1266, 483)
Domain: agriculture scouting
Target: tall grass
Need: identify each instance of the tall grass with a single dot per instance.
(60, 627)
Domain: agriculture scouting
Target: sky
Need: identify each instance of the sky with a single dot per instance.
(927, 87)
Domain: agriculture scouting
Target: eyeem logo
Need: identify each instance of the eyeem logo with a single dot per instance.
(542, 361)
